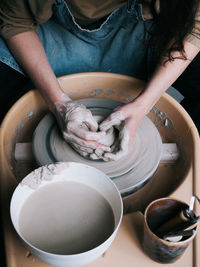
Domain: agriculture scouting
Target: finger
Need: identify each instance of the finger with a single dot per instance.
(101, 150)
(115, 156)
(89, 120)
(107, 124)
(83, 133)
(100, 154)
(79, 113)
(93, 136)
(115, 146)
(122, 148)
(94, 156)
(91, 123)
(83, 154)
(113, 119)
(73, 139)
(82, 148)
(124, 139)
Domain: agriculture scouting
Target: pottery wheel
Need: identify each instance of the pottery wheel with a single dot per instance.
(129, 173)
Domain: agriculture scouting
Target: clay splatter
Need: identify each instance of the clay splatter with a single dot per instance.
(110, 92)
(73, 93)
(44, 173)
(162, 119)
(125, 97)
(30, 114)
(96, 92)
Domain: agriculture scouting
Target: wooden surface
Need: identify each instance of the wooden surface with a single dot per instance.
(180, 180)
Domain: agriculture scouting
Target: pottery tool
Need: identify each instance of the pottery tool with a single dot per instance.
(181, 225)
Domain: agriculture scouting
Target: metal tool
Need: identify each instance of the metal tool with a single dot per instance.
(181, 225)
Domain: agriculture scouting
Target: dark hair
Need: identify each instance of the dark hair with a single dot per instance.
(173, 22)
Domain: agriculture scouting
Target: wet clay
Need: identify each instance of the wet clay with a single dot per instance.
(66, 218)
(110, 135)
(45, 173)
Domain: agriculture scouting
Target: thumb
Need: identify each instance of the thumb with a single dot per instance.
(91, 124)
(113, 119)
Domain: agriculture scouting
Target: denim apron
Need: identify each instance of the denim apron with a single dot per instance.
(117, 45)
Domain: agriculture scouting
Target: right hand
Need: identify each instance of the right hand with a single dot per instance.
(126, 119)
(79, 128)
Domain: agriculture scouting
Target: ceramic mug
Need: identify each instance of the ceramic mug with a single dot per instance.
(156, 214)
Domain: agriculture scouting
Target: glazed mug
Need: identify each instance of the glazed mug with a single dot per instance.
(156, 214)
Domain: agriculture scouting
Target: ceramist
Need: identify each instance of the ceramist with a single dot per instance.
(157, 41)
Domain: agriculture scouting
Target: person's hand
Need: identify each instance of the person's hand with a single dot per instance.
(79, 128)
(126, 120)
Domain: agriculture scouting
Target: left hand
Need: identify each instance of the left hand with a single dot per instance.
(126, 120)
(78, 127)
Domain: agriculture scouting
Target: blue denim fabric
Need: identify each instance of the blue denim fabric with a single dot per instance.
(117, 45)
